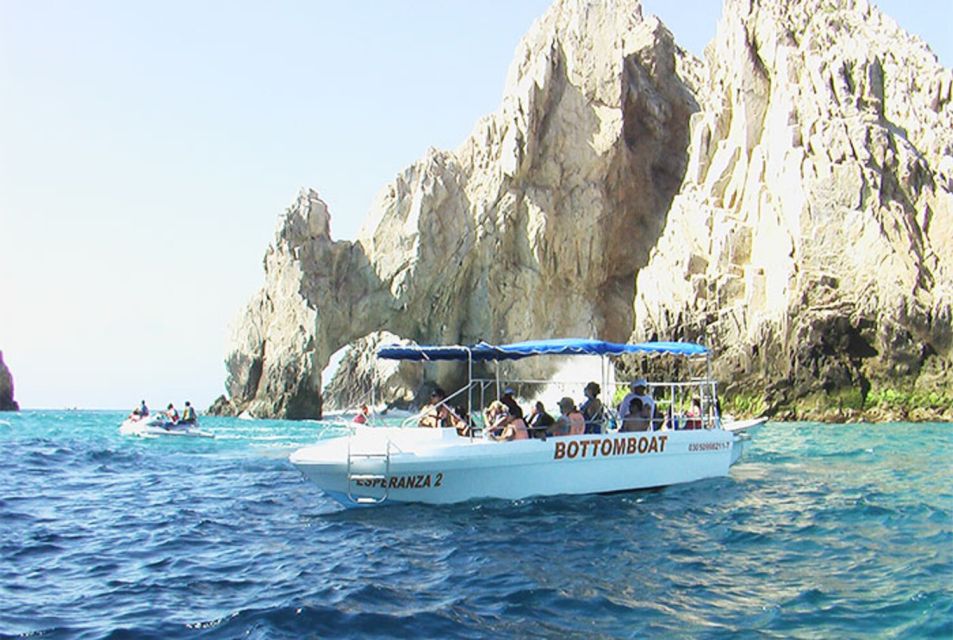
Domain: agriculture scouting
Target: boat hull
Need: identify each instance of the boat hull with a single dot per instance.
(158, 428)
(438, 467)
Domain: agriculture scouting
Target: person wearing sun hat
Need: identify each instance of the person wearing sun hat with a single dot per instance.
(638, 388)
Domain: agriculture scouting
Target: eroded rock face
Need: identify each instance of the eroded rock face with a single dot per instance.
(810, 241)
(787, 201)
(535, 226)
(366, 379)
(318, 295)
(7, 403)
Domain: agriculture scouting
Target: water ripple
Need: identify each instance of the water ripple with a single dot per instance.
(823, 530)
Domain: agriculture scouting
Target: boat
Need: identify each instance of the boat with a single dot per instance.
(160, 426)
(377, 464)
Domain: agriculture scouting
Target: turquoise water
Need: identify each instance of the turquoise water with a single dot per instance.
(820, 531)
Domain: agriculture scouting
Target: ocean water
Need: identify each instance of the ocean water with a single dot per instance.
(820, 531)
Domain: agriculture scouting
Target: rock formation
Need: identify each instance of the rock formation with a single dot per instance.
(536, 225)
(368, 380)
(787, 201)
(810, 243)
(7, 403)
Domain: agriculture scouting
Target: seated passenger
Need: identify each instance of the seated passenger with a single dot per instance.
(693, 419)
(494, 418)
(362, 415)
(571, 422)
(592, 408)
(511, 404)
(437, 415)
(188, 414)
(142, 411)
(513, 428)
(172, 414)
(638, 389)
(638, 418)
(539, 421)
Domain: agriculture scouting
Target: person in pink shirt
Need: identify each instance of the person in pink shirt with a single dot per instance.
(514, 428)
(571, 422)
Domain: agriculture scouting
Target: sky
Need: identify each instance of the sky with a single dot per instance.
(148, 148)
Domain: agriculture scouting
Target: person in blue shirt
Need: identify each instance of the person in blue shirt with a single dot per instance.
(140, 412)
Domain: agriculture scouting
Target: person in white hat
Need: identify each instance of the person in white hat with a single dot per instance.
(637, 389)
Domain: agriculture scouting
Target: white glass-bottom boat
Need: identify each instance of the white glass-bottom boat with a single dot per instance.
(376, 464)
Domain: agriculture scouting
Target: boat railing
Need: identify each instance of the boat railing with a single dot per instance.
(674, 403)
(414, 420)
(673, 400)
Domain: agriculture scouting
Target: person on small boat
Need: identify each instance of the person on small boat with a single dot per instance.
(511, 403)
(172, 414)
(540, 421)
(437, 414)
(571, 422)
(142, 411)
(637, 419)
(637, 389)
(592, 409)
(362, 415)
(188, 414)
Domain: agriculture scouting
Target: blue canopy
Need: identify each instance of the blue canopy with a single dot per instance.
(559, 347)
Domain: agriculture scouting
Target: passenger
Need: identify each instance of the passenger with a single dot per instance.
(513, 428)
(693, 419)
(137, 412)
(638, 389)
(637, 418)
(143, 409)
(172, 414)
(592, 409)
(437, 415)
(188, 414)
(363, 415)
(540, 421)
(511, 403)
(571, 422)
(494, 418)
(465, 425)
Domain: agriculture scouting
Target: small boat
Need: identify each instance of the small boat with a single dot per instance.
(371, 465)
(158, 426)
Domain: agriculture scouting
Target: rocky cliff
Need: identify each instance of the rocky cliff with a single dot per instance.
(7, 403)
(810, 242)
(786, 200)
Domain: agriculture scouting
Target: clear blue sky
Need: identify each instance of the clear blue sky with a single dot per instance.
(146, 150)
